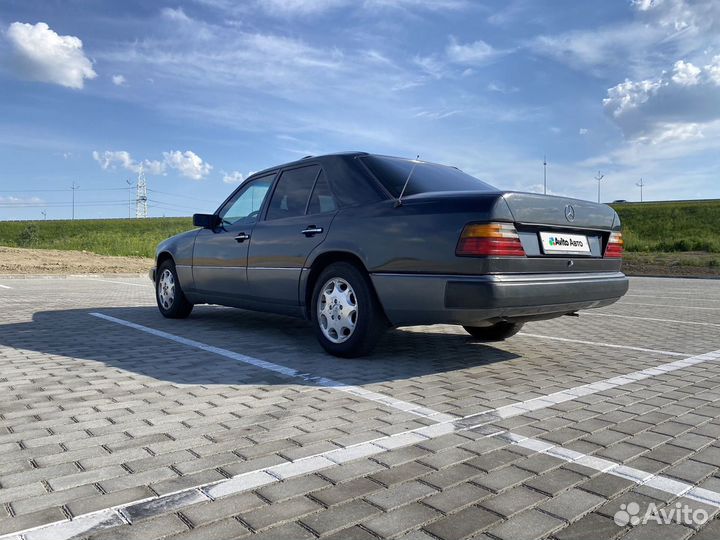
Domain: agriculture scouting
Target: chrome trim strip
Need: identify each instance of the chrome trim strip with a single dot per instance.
(248, 267)
(511, 278)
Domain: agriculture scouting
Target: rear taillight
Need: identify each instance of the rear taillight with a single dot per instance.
(614, 249)
(489, 240)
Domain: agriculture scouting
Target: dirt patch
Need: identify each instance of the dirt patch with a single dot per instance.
(680, 264)
(52, 261)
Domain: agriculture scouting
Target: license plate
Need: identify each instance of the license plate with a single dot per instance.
(553, 242)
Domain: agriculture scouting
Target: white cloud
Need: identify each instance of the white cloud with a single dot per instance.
(685, 74)
(40, 54)
(660, 30)
(713, 70)
(302, 7)
(153, 167)
(643, 5)
(12, 201)
(175, 14)
(598, 50)
(668, 132)
(187, 163)
(670, 107)
(583, 131)
(501, 88)
(477, 52)
(629, 94)
(234, 177)
(311, 7)
(119, 80)
(111, 159)
(440, 65)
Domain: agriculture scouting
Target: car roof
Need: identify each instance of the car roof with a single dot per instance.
(308, 158)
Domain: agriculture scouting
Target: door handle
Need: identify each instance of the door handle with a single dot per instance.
(312, 230)
(241, 237)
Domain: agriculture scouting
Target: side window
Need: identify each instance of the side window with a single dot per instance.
(322, 199)
(292, 192)
(245, 206)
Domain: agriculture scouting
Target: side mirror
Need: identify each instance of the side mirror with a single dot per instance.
(206, 221)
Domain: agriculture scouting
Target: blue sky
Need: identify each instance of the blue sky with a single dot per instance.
(203, 92)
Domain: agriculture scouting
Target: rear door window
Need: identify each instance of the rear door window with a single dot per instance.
(322, 199)
(292, 192)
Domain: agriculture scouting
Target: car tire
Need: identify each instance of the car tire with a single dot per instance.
(170, 298)
(346, 315)
(497, 332)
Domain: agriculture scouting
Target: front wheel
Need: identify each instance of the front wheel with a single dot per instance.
(496, 332)
(346, 314)
(171, 300)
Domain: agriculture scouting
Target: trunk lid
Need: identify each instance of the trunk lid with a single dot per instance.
(535, 209)
(540, 219)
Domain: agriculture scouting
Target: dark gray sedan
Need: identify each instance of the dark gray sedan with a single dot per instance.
(358, 243)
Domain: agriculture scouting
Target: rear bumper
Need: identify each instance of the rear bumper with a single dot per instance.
(431, 299)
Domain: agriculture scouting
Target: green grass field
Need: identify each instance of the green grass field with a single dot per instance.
(128, 237)
(671, 227)
(648, 228)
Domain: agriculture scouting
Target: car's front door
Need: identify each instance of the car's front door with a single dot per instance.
(220, 255)
(297, 219)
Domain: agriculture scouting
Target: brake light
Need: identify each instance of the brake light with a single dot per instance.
(614, 249)
(489, 240)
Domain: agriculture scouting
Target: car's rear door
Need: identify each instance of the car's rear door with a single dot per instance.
(220, 255)
(297, 219)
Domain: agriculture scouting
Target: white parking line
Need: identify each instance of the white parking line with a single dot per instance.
(290, 372)
(118, 515)
(649, 319)
(704, 299)
(112, 517)
(120, 282)
(5, 287)
(610, 345)
(640, 477)
(666, 306)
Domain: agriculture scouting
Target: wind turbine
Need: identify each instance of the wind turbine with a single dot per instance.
(599, 177)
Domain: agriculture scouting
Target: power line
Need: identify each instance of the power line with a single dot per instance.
(640, 184)
(180, 196)
(74, 187)
(56, 190)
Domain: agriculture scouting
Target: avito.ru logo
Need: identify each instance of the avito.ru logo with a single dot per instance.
(683, 514)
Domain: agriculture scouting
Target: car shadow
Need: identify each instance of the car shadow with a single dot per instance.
(79, 336)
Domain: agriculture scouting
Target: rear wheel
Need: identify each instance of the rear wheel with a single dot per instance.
(496, 332)
(346, 314)
(171, 300)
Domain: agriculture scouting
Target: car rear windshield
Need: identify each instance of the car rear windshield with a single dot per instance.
(426, 177)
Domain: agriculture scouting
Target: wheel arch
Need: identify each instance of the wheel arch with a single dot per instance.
(321, 262)
(164, 256)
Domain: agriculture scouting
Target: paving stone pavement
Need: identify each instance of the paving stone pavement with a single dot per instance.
(94, 415)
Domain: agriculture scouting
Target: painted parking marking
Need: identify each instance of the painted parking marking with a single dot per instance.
(5, 287)
(653, 319)
(120, 282)
(176, 501)
(638, 476)
(289, 372)
(704, 299)
(610, 345)
(666, 306)
(478, 423)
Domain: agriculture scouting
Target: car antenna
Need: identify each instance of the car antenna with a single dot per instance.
(407, 180)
